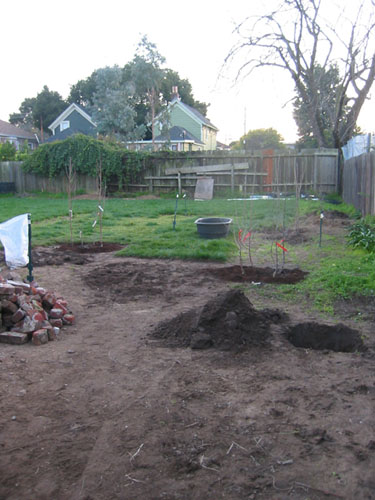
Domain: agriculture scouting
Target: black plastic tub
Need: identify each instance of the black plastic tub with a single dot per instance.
(7, 187)
(213, 227)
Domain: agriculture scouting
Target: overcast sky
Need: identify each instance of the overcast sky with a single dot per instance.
(58, 43)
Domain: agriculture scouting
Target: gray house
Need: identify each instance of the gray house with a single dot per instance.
(17, 136)
(74, 120)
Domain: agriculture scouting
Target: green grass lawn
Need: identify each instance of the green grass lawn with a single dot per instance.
(145, 228)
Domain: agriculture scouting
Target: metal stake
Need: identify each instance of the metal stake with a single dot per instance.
(30, 277)
(321, 228)
(175, 213)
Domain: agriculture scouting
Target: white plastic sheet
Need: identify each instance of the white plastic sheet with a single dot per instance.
(14, 236)
(358, 145)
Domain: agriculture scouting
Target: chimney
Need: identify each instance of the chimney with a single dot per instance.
(175, 93)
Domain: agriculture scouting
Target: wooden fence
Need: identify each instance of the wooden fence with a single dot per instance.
(359, 183)
(314, 171)
(11, 171)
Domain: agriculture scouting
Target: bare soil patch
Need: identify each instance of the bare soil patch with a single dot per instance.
(76, 253)
(336, 214)
(125, 406)
(357, 308)
(257, 274)
(290, 236)
(96, 247)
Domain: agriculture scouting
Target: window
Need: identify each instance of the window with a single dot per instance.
(64, 125)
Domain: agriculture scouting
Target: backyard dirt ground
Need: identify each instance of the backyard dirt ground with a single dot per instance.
(173, 384)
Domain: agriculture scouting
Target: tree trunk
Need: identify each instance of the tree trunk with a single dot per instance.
(152, 103)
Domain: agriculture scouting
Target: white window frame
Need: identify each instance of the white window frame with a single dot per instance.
(64, 125)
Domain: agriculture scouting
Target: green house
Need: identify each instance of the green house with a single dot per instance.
(181, 128)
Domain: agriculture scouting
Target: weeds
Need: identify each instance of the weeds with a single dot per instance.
(362, 235)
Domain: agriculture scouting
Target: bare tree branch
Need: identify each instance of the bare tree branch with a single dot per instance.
(297, 38)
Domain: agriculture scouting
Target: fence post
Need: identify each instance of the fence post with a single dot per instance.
(151, 186)
(179, 182)
(315, 173)
(232, 177)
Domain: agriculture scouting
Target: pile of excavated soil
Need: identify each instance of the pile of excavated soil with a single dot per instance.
(227, 322)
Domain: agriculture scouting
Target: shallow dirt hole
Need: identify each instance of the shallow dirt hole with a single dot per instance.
(338, 338)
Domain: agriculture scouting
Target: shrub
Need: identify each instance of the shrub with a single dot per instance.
(362, 235)
(7, 152)
(86, 153)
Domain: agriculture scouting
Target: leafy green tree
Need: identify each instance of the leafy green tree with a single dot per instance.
(259, 139)
(39, 111)
(153, 84)
(83, 91)
(48, 105)
(146, 75)
(24, 117)
(112, 108)
(7, 152)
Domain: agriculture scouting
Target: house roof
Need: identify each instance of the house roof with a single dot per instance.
(221, 145)
(68, 132)
(178, 134)
(67, 112)
(194, 112)
(9, 130)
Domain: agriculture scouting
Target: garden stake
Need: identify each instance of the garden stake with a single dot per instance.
(30, 277)
(240, 249)
(70, 225)
(185, 198)
(279, 245)
(100, 214)
(175, 213)
(277, 260)
(321, 228)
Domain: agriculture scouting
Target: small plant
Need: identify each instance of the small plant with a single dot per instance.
(362, 235)
(240, 240)
(278, 268)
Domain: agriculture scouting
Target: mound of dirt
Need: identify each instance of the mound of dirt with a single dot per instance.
(257, 274)
(227, 322)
